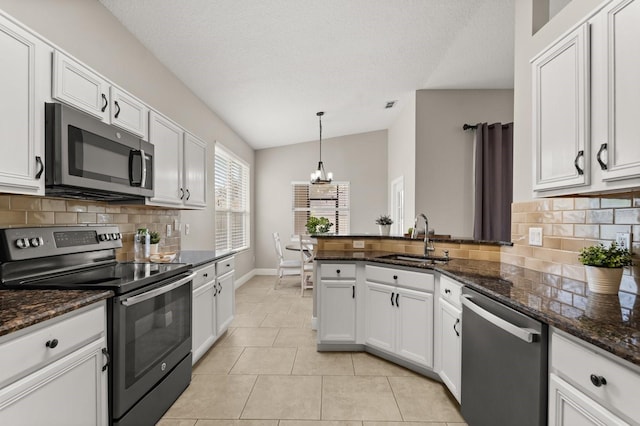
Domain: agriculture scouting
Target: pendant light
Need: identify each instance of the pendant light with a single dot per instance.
(319, 176)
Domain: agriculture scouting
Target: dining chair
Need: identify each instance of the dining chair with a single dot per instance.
(285, 266)
(306, 264)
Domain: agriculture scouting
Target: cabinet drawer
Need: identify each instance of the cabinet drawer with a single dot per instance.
(223, 266)
(205, 274)
(338, 270)
(417, 280)
(450, 290)
(576, 364)
(27, 352)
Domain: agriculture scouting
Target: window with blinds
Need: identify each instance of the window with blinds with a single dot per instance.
(326, 200)
(232, 216)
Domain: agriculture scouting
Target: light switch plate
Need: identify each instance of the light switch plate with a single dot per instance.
(169, 230)
(623, 239)
(186, 229)
(358, 244)
(535, 237)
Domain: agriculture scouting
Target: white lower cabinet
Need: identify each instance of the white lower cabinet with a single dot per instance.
(337, 308)
(213, 305)
(448, 337)
(399, 320)
(570, 407)
(59, 374)
(590, 387)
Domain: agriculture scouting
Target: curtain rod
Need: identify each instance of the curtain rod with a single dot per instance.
(466, 126)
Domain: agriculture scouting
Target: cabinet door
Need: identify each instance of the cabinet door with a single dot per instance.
(166, 136)
(337, 311)
(70, 391)
(195, 171)
(24, 83)
(414, 333)
(80, 87)
(561, 113)
(129, 113)
(450, 347)
(203, 319)
(380, 316)
(225, 302)
(570, 407)
(619, 155)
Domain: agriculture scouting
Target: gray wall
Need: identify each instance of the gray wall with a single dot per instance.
(360, 159)
(526, 47)
(444, 152)
(401, 156)
(86, 30)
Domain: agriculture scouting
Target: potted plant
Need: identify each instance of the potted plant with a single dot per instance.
(318, 225)
(603, 267)
(154, 239)
(384, 224)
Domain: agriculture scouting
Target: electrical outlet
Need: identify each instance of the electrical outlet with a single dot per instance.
(168, 230)
(535, 237)
(623, 239)
(358, 244)
(186, 229)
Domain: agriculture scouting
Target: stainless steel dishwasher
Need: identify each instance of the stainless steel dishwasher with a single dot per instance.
(504, 364)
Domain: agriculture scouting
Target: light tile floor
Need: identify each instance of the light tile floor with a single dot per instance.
(266, 372)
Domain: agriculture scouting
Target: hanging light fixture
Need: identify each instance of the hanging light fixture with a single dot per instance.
(320, 176)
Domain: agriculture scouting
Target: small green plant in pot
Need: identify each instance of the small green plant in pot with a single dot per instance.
(603, 266)
(318, 225)
(384, 223)
(154, 239)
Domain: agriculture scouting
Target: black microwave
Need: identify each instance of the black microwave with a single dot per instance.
(88, 159)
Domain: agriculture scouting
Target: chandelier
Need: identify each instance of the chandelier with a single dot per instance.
(320, 176)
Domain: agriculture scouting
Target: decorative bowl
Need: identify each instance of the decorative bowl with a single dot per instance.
(163, 257)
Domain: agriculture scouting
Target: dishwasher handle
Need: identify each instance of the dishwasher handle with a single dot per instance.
(526, 334)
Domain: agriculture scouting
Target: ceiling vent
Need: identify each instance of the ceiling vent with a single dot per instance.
(390, 104)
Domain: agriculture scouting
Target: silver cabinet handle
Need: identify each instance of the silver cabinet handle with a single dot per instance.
(525, 334)
(157, 291)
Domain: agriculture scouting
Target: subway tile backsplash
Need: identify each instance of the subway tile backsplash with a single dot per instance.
(20, 211)
(568, 224)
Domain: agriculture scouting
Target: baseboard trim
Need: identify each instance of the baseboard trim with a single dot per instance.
(246, 277)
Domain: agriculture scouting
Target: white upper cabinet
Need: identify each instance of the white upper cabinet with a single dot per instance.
(195, 171)
(166, 136)
(618, 139)
(25, 87)
(561, 113)
(180, 169)
(82, 88)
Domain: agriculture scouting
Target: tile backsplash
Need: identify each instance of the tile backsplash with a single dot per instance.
(569, 224)
(20, 211)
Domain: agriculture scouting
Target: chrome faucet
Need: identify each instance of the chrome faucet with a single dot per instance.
(414, 233)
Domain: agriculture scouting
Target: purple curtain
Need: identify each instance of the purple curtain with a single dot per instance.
(494, 181)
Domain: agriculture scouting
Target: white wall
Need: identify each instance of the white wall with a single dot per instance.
(444, 153)
(86, 30)
(401, 156)
(526, 47)
(360, 159)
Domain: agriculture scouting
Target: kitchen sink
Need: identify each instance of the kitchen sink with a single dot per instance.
(429, 260)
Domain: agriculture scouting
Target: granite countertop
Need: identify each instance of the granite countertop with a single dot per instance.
(436, 238)
(200, 257)
(22, 308)
(611, 322)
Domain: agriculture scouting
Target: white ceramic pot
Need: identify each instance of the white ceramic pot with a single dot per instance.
(603, 280)
(153, 248)
(384, 229)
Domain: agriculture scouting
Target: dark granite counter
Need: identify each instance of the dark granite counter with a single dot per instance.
(200, 257)
(435, 238)
(22, 308)
(611, 322)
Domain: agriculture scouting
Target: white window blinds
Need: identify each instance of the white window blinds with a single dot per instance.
(232, 201)
(326, 200)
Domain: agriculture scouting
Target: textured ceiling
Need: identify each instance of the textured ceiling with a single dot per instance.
(267, 66)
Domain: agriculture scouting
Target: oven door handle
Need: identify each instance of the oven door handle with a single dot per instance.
(526, 334)
(130, 301)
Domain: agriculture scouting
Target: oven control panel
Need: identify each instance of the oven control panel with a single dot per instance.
(29, 243)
